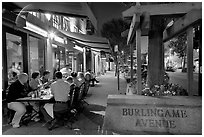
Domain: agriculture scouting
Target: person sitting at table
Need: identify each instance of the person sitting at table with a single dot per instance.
(81, 77)
(75, 79)
(91, 77)
(66, 71)
(60, 90)
(45, 79)
(35, 85)
(17, 90)
(12, 77)
(35, 82)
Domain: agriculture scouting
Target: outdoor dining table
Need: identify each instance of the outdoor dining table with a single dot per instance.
(45, 97)
(42, 99)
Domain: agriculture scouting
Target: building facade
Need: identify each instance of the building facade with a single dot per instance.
(33, 41)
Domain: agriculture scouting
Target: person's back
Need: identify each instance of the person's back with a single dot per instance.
(15, 91)
(60, 89)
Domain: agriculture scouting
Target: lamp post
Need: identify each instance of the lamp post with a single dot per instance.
(117, 65)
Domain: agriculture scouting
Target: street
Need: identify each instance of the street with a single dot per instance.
(181, 79)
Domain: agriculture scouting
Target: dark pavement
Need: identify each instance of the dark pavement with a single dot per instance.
(89, 122)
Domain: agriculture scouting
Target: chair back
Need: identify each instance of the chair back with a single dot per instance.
(86, 88)
(72, 91)
(81, 91)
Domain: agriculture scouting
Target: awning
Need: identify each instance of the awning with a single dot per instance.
(71, 9)
(91, 41)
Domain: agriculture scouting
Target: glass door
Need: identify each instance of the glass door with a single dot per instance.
(37, 55)
(14, 56)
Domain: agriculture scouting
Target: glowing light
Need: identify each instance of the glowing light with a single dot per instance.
(59, 39)
(78, 48)
(48, 16)
(54, 46)
(36, 29)
(52, 35)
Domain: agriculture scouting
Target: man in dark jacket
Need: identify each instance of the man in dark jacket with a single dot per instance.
(15, 91)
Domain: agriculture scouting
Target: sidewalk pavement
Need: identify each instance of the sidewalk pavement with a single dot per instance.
(90, 121)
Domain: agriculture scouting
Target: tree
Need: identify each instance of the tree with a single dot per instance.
(179, 46)
(112, 31)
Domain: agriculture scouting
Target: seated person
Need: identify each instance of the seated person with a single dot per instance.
(66, 71)
(81, 77)
(12, 77)
(72, 85)
(47, 109)
(92, 78)
(60, 90)
(15, 91)
(35, 84)
(75, 79)
(45, 79)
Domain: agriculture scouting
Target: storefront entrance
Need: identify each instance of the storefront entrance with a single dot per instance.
(13, 55)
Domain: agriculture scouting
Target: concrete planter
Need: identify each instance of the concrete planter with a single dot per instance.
(162, 115)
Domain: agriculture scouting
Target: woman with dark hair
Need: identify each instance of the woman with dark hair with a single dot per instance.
(45, 79)
(35, 83)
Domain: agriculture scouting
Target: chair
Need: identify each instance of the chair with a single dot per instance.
(70, 115)
(25, 119)
(81, 93)
(86, 88)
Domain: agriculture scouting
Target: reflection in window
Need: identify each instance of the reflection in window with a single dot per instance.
(36, 55)
(14, 56)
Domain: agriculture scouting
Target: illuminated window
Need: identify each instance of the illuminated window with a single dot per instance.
(42, 17)
(56, 21)
(36, 53)
(34, 13)
(37, 14)
(76, 29)
(66, 24)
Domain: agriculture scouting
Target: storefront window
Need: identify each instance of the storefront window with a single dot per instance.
(56, 21)
(14, 56)
(66, 24)
(37, 49)
(62, 57)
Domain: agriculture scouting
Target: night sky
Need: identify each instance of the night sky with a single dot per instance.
(105, 11)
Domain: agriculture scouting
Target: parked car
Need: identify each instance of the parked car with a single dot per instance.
(170, 68)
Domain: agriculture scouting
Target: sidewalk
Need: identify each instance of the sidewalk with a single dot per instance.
(108, 85)
(90, 121)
